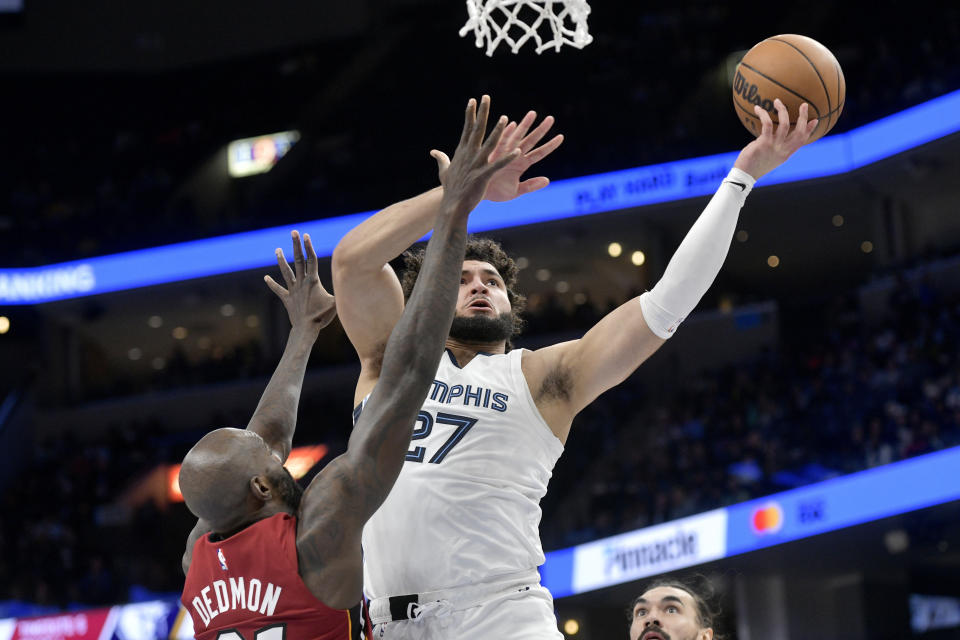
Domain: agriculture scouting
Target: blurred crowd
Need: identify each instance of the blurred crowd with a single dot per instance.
(88, 522)
(56, 550)
(256, 357)
(851, 395)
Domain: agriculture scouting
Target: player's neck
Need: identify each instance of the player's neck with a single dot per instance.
(464, 351)
(272, 508)
(236, 526)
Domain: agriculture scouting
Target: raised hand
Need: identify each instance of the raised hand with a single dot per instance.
(466, 177)
(307, 303)
(506, 184)
(773, 146)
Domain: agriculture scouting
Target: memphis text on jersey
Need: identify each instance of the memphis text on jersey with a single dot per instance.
(468, 396)
(223, 596)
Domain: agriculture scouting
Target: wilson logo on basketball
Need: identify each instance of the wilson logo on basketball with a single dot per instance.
(767, 519)
(750, 92)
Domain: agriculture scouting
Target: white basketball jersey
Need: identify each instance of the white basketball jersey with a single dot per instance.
(466, 506)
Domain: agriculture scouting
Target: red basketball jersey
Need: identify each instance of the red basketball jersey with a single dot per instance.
(248, 587)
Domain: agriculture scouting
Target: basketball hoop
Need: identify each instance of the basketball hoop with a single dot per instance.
(515, 21)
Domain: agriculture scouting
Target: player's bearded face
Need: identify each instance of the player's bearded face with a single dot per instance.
(480, 328)
(666, 613)
(287, 488)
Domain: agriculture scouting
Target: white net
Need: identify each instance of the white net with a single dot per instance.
(550, 23)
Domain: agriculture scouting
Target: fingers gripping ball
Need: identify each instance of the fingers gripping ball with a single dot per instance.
(796, 69)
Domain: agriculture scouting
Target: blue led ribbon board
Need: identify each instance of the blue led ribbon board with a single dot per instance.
(587, 195)
(843, 502)
(171, 263)
(838, 503)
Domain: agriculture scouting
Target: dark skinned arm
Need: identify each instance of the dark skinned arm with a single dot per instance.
(310, 308)
(198, 530)
(342, 498)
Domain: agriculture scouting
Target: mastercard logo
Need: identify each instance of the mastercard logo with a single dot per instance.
(767, 519)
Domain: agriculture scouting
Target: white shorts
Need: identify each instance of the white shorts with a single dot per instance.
(517, 612)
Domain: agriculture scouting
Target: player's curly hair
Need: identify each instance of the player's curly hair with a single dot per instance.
(483, 250)
(704, 595)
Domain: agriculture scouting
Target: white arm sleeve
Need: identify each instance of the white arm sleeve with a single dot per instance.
(698, 259)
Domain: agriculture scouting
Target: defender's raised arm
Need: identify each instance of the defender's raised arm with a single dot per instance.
(369, 296)
(621, 341)
(341, 499)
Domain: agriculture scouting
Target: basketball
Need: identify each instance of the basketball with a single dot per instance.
(796, 69)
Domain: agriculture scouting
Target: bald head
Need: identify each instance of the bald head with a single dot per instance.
(223, 476)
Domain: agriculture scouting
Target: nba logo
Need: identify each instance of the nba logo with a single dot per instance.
(223, 560)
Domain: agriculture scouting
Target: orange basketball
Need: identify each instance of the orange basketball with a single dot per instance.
(796, 69)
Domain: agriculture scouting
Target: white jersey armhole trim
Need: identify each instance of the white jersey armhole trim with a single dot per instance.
(516, 370)
(357, 410)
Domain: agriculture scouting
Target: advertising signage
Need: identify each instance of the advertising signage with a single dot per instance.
(834, 504)
(844, 501)
(154, 620)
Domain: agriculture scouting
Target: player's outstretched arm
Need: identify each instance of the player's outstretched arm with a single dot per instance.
(620, 342)
(347, 492)
(310, 308)
(369, 297)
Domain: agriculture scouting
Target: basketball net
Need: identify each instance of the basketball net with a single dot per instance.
(496, 21)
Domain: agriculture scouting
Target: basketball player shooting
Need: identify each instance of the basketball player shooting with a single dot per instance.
(267, 561)
(454, 550)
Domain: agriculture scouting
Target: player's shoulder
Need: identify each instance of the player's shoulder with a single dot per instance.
(283, 520)
(272, 527)
(550, 355)
(544, 363)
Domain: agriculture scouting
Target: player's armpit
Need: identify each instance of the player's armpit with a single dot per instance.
(564, 378)
(340, 584)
